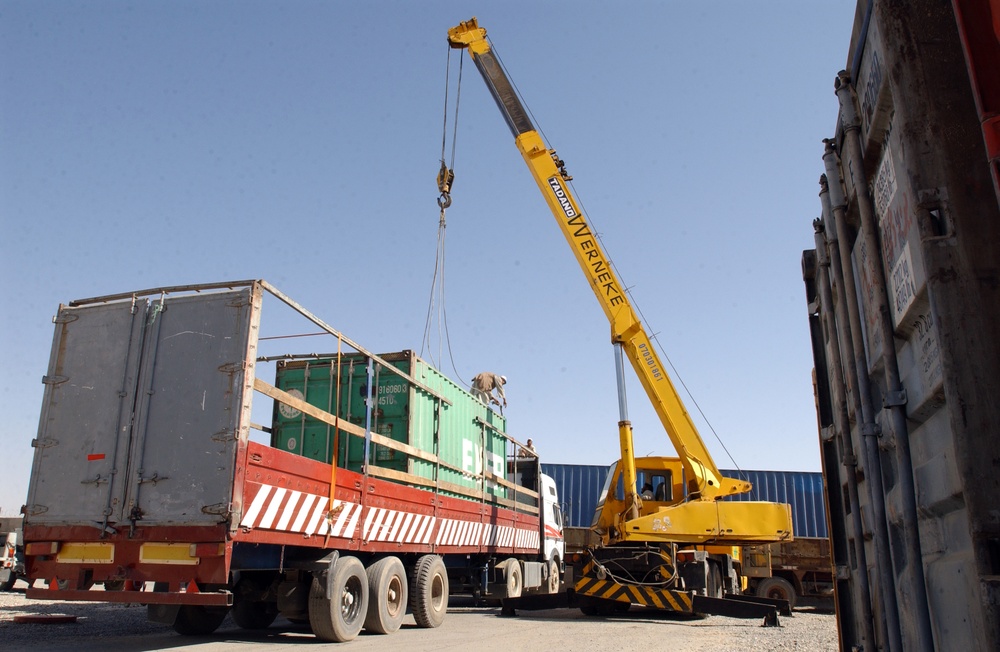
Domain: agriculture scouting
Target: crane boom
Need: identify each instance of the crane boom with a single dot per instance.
(627, 331)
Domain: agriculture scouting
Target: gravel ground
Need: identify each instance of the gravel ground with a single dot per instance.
(123, 628)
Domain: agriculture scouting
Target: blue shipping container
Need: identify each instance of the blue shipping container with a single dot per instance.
(579, 486)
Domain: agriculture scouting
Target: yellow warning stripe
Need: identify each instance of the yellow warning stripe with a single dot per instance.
(650, 597)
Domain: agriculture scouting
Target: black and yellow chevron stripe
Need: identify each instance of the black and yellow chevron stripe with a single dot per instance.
(591, 585)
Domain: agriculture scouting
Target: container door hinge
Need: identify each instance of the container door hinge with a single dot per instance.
(233, 367)
(54, 380)
(239, 301)
(47, 442)
(65, 318)
(827, 433)
(843, 572)
(894, 399)
(34, 510)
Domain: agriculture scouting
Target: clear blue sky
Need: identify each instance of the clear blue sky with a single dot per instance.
(154, 143)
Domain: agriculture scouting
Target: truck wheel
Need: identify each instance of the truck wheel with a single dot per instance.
(429, 593)
(199, 620)
(339, 618)
(514, 580)
(387, 593)
(253, 614)
(715, 588)
(9, 581)
(596, 607)
(777, 588)
(554, 580)
(249, 611)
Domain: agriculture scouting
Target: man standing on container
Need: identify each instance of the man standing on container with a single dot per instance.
(484, 384)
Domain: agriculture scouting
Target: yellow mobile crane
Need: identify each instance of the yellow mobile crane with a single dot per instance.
(640, 557)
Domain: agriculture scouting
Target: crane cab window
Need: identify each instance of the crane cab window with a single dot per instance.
(659, 483)
(654, 485)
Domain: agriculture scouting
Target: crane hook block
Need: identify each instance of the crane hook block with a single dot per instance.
(445, 178)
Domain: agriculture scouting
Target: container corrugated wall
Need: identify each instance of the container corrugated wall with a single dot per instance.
(802, 490)
(903, 291)
(580, 485)
(462, 432)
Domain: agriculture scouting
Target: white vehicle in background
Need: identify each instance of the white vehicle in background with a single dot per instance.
(12, 555)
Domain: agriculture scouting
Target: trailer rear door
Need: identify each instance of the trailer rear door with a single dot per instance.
(142, 411)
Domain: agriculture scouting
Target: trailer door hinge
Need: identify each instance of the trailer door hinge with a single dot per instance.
(222, 509)
(225, 435)
(46, 442)
(34, 510)
(65, 318)
(233, 367)
(54, 380)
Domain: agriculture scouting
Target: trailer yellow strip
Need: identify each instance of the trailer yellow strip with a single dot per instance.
(86, 553)
(168, 553)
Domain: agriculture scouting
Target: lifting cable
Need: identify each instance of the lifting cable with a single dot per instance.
(445, 179)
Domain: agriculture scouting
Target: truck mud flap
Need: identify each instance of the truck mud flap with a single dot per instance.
(737, 609)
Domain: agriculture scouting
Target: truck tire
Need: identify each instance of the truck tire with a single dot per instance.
(599, 608)
(515, 581)
(387, 596)
(429, 592)
(249, 611)
(554, 581)
(199, 620)
(715, 588)
(339, 617)
(254, 614)
(777, 588)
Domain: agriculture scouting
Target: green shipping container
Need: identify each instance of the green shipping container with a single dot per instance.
(465, 435)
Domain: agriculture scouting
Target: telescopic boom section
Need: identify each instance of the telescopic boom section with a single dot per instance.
(626, 329)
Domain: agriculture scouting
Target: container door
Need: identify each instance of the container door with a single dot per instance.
(193, 396)
(80, 454)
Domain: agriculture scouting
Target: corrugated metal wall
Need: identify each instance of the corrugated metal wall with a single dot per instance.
(903, 295)
(800, 489)
(579, 486)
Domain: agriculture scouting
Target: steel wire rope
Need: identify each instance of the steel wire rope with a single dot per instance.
(627, 289)
(445, 177)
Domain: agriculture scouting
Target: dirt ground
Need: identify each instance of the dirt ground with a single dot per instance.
(124, 628)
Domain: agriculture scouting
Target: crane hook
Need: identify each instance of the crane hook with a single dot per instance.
(445, 178)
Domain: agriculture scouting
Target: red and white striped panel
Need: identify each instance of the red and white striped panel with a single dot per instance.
(281, 509)
(277, 508)
(455, 532)
(395, 526)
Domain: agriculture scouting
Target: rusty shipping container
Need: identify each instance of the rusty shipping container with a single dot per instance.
(903, 290)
